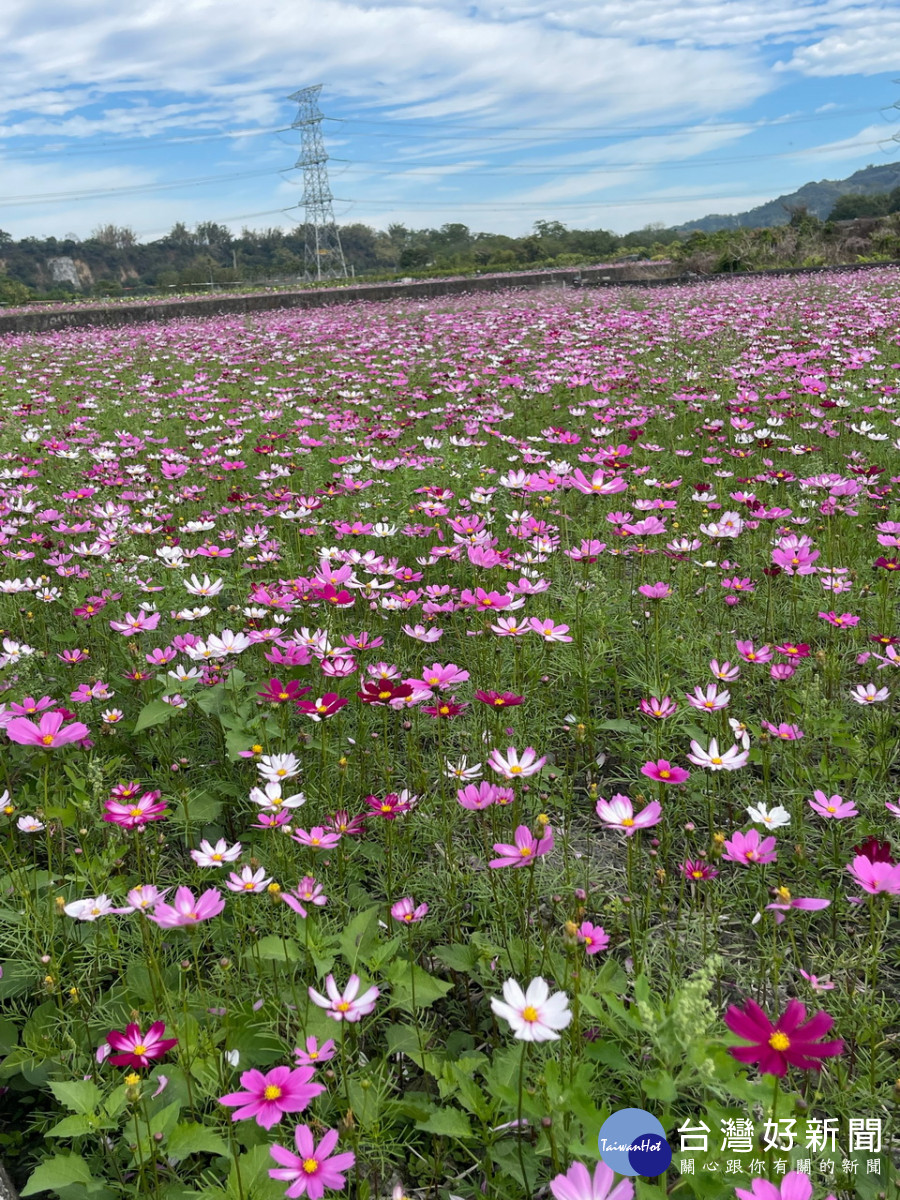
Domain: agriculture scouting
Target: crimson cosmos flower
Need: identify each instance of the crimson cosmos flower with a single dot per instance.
(791, 1041)
(383, 691)
(135, 1048)
(499, 699)
(281, 693)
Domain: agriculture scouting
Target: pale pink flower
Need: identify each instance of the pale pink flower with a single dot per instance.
(618, 813)
(346, 1005)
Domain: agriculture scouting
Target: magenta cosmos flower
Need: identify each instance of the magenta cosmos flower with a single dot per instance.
(619, 813)
(135, 813)
(525, 848)
(346, 1005)
(268, 1097)
(136, 1049)
(786, 902)
(792, 1041)
(655, 591)
(188, 909)
(664, 772)
(579, 1184)
(594, 938)
(748, 848)
(313, 1168)
(48, 733)
(794, 1186)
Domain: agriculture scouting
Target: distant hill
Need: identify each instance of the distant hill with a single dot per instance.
(817, 198)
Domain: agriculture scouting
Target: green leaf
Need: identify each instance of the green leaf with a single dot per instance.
(448, 1122)
(78, 1095)
(211, 700)
(619, 725)
(71, 1127)
(427, 989)
(278, 949)
(188, 1138)
(462, 958)
(57, 1173)
(659, 1085)
(154, 713)
(359, 937)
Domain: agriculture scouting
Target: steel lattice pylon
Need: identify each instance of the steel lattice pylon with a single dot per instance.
(323, 257)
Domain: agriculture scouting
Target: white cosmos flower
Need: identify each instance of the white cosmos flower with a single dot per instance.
(534, 1015)
(772, 818)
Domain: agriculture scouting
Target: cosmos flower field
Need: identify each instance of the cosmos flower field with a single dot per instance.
(429, 728)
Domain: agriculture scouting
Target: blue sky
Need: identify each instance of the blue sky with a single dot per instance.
(600, 114)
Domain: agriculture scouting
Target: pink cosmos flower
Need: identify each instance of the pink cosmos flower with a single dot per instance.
(783, 731)
(477, 795)
(664, 772)
(594, 938)
(346, 1005)
(144, 622)
(514, 766)
(307, 891)
(268, 1097)
(618, 813)
(314, 1053)
(188, 909)
(317, 838)
(817, 984)
(748, 848)
(655, 591)
(525, 850)
(136, 1049)
(868, 693)
(876, 878)
(579, 1184)
(833, 807)
(794, 1186)
(711, 700)
(548, 630)
(407, 911)
(660, 709)
(313, 1168)
(749, 654)
(724, 670)
(248, 880)
(48, 734)
(786, 901)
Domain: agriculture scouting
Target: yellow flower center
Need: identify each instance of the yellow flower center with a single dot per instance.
(139, 1050)
(628, 821)
(717, 761)
(384, 695)
(780, 1041)
(515, 770)
(529, 1013)
(248, 887)
(257, 749)
(136, 812)
(783, 894)
(47, 739)
(696, 874)
(665, 774)
(342, 1006)
(525, 851)
(272, 1092)
(310, 1165)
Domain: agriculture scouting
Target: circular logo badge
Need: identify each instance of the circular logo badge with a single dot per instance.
(633, 1142)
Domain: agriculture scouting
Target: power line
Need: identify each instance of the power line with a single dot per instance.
(131, 189)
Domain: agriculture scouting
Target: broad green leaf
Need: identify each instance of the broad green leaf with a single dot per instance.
(188, 1138)
(359, 937)
(448, 1122)
(57, 1173)
(154, 713)
(412, 988)
(277, 949)
(463, 958)
(71, 1127)
(78, 1095)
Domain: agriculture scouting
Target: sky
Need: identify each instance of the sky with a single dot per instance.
(610, 114)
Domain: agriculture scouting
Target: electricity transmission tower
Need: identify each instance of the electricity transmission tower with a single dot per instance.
(323, 257)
